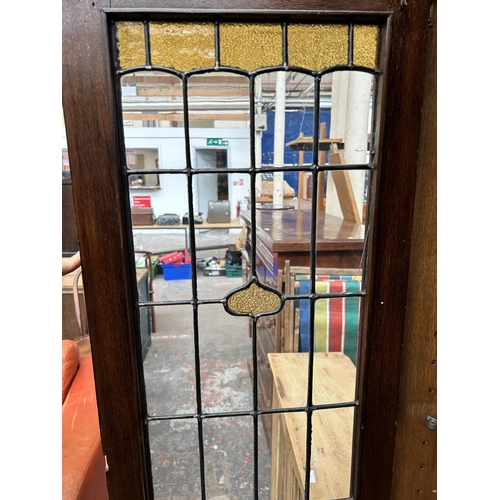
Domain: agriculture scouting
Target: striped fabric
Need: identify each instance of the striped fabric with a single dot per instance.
(336, 320)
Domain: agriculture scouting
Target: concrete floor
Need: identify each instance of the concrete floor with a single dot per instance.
(224, 347)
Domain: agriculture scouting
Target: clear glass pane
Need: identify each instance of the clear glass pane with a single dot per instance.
(229, 459)
(142, 159)
(336, 320)
(152, 99)
(340, 229)
(169, 367)
(331, 453)
(350, 97)
(346, 122)
(224, 354)
(175, 459)
(219, 102)
(288, 455)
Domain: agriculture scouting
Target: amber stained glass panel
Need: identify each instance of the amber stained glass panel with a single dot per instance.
(365, 52)
(317, 46)
(131, 45)
(254, 300)
(250, 46)
(182, 46)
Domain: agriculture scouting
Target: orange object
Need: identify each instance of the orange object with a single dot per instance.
(83, 462)
(170, 258)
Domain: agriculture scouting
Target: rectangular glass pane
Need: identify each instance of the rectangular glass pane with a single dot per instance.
(131, 44)
(229, 459)
(317, 46)
(224, 353)
(182, 46)
(288, 455)
(175, 459)
(169, 367)
(151, 99)
(250, 46)
(219, 114)
(366, 42)
(331, 453)
(340, 230)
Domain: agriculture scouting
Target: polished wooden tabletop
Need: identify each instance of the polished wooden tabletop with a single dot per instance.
(290, 230)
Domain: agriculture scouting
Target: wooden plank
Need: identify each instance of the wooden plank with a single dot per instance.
(343, 186)
(279, 317)
(276, 453)
(334, 381)
(321, 175)
(296, 329)
(415, 464)
(306, 144)
(286, 313)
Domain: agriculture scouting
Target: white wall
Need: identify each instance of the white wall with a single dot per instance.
(173, 196)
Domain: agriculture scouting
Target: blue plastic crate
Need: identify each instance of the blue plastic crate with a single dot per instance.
(176, 271)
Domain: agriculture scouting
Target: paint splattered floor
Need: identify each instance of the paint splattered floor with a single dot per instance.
(225, 385)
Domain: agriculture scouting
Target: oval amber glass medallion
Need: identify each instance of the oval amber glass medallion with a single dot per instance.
(254, 299)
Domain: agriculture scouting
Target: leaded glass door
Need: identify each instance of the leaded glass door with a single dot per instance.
(307, 297)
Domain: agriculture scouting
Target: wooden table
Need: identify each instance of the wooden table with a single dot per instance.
(232, 224)
(331, 453)
(286, 235)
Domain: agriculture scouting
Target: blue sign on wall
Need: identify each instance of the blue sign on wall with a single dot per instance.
(296, 121)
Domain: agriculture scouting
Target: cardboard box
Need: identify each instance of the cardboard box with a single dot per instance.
(142, 216)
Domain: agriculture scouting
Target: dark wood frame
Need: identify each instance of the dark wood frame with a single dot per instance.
(91, 123)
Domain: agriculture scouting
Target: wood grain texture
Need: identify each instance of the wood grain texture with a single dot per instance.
(90, 117)
(415, 464)
(334, 382)
(255, 5)
(391, 223)
(290, 230)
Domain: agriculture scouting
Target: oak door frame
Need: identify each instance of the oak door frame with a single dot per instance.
(101, 199)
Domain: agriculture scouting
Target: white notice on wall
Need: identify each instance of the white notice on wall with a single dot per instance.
(312, 477)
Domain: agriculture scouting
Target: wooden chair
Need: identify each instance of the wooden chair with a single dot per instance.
(336, 320)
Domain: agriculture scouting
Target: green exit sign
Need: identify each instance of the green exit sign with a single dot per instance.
(212, 141)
